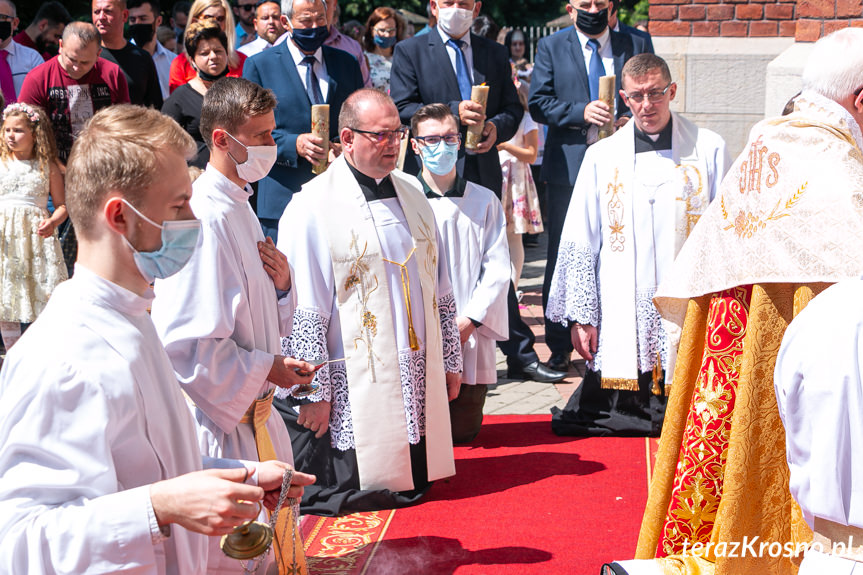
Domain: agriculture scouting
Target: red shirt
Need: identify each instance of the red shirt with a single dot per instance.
(182, 71)
(69, 103)
(23, 39)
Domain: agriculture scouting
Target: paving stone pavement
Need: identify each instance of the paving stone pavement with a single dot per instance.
(517, 396)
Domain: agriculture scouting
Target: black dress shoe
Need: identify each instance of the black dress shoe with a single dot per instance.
(536, 371)
(559, 362)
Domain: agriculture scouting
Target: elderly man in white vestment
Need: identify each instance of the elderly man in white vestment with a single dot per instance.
(472, 225)
(98, 450)
(373, 297)
(638, 195)
(220, 318)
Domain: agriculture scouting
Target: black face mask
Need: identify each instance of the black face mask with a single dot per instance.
(5, 30)
(207, 77)
(592, 24)
(141, 33)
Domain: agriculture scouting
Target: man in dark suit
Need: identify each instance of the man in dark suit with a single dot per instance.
(616, 25)
(301, 71)
(441, 67)
(563, 96)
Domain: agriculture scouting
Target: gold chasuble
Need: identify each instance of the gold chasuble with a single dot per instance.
(787, 224)
(363, 299)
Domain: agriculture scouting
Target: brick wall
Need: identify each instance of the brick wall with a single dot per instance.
(803, 20)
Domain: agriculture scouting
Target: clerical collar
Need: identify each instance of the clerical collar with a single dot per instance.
(374, 189)
(646, 143)
(457, 190)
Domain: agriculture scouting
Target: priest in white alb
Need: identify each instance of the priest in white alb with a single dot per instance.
(100, 470)
(373, 298)
(220, 318)
(472, 225)
(637, 197)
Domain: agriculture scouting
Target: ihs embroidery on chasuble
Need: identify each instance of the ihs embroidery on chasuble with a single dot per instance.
(754, 177)
(615, 212)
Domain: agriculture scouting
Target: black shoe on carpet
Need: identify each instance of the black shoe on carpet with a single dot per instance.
(536, 371)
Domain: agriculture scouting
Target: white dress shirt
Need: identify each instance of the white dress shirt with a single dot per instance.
(320, 68)
(21, 60)
(162, 58)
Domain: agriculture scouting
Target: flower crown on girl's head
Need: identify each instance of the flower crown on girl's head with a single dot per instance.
(24, 109)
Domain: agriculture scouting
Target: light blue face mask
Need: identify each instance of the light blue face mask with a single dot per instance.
(179, 240)
(440, 159)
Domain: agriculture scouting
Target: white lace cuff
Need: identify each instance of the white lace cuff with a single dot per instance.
(651, 335)
(452, 358)
(308, 341)
(574, 291)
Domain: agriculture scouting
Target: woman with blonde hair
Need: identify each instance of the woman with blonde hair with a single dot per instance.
(219, 12)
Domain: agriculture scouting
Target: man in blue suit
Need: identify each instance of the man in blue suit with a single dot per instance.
(441, 67)
(301, 71)
(564, 96)
(616, 25)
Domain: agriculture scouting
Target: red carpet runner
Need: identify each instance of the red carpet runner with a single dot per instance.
(523, 501)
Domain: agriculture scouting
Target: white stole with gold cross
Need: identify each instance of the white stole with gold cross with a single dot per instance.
(363, 300)
(617, 282)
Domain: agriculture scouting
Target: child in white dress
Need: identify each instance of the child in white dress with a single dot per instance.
(519, 197)
(31, 262)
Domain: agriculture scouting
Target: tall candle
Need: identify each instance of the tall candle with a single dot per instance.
(606, 94)
(478, 94)
(321, 128)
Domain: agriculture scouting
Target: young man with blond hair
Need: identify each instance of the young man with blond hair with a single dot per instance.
(99, 464)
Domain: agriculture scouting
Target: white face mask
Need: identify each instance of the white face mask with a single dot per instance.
(259, 161)
(455, 21)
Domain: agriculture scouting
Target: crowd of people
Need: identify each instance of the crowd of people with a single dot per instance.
(251, 298)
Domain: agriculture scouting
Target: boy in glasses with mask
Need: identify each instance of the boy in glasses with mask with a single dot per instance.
(221, 317)
(471, 222)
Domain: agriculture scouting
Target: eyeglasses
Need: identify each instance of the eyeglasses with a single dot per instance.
(384, 135)
(220, 19)
(384, 31)
(5, 18)
(247, 7)
(653, 95)
(449, 139)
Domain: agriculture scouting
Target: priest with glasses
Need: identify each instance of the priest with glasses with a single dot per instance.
(373, 299)
(637, 197)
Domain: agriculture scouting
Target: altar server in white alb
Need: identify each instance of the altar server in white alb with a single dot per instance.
(819, 391)
(637, 197)
(100, 470)
(374, 297)
(472, 224)
(219, 318)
